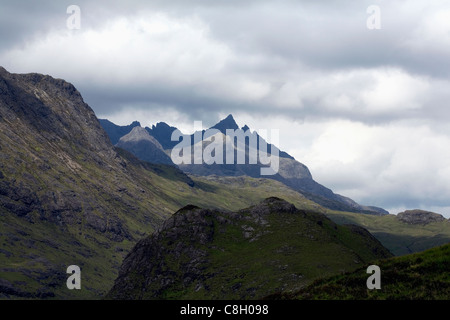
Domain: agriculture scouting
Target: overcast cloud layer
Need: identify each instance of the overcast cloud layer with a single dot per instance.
(366, 110)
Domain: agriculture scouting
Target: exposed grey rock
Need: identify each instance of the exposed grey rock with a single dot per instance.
(145, 147)
(47, 125)
(139, 134)
(417, 216)
(114, 131)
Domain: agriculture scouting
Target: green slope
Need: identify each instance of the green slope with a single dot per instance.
(419, 276)
(399, 237)
(34, 254)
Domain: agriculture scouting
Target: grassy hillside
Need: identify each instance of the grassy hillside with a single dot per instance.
(399, 237)
(419, 276)
(34, 253)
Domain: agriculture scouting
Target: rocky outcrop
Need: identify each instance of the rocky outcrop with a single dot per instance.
(55, 109)
(140, 143)
(53, 147)
(419, 217)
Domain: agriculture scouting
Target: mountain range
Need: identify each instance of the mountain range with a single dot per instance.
(69, 197)
(291, 172)
(70, 194)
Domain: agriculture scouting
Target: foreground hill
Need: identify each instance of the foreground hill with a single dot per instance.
(210, 254)
(419, 276)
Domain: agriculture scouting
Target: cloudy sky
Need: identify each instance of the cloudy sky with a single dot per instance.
(367, 110)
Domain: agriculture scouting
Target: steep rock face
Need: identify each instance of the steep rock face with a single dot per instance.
(419, 217)
(48, 135)
(54, 108)
(144, 146)
(201, 253)
(66, 196)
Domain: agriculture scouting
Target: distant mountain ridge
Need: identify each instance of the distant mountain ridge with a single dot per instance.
(291, 172)
(163, 132)
(116, 132)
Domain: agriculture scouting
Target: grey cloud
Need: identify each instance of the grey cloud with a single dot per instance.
(328, 36)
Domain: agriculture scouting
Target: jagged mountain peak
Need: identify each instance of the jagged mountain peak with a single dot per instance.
(291, 172)
(161, 125)
(229, 117)
(227, 123)
(139, 134)
(163, 132)
(144, 146)
(115, 132)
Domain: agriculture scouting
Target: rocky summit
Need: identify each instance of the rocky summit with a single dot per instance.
(270, 247)
(419, 217)
(115, 132)
(139, 142)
